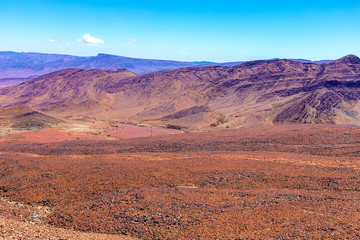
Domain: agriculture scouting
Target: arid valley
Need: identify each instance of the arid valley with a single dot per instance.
(260, 150)
(179, 120)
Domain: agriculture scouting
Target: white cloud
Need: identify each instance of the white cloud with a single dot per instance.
(132, 41)
(184, 53)
(90, 41)
(58, 44)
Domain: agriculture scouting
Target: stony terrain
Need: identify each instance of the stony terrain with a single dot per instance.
(284, 182)
(21, 221)
(254, 93)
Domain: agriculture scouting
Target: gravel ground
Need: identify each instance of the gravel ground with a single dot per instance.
(14, 224)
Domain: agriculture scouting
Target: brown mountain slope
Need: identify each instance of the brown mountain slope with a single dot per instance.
(260, 92)
(69, 91)
(24, 117)
(254, 93)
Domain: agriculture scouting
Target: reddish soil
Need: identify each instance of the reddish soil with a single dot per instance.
(284, 182)
(19, 221)
(98, 132)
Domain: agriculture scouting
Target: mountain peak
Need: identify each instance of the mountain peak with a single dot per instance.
(350, 59)
(103, 55)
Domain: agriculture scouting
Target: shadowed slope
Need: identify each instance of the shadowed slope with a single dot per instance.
(24, 117)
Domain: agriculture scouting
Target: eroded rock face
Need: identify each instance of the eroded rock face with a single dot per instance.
(253, 93)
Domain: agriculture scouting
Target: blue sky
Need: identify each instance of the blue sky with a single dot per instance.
(218, 31)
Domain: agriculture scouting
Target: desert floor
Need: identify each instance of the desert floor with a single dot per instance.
(284, 182)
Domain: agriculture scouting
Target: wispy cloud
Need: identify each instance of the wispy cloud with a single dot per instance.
(57, 43)
(132, 41)
(90, 40)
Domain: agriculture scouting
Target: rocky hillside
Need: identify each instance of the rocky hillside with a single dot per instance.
(260, 92)
(253, 93)
(74, 91)
(24, 117)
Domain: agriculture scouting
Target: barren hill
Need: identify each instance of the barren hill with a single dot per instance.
(75, 91)
(254, 93)
(24, 117)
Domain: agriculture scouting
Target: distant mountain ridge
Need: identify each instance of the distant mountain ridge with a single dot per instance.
(263, 92)
(19, 66)
(25, 65)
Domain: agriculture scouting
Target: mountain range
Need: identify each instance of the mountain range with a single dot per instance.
(20, 65)
(268, 92)
(16, 67)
